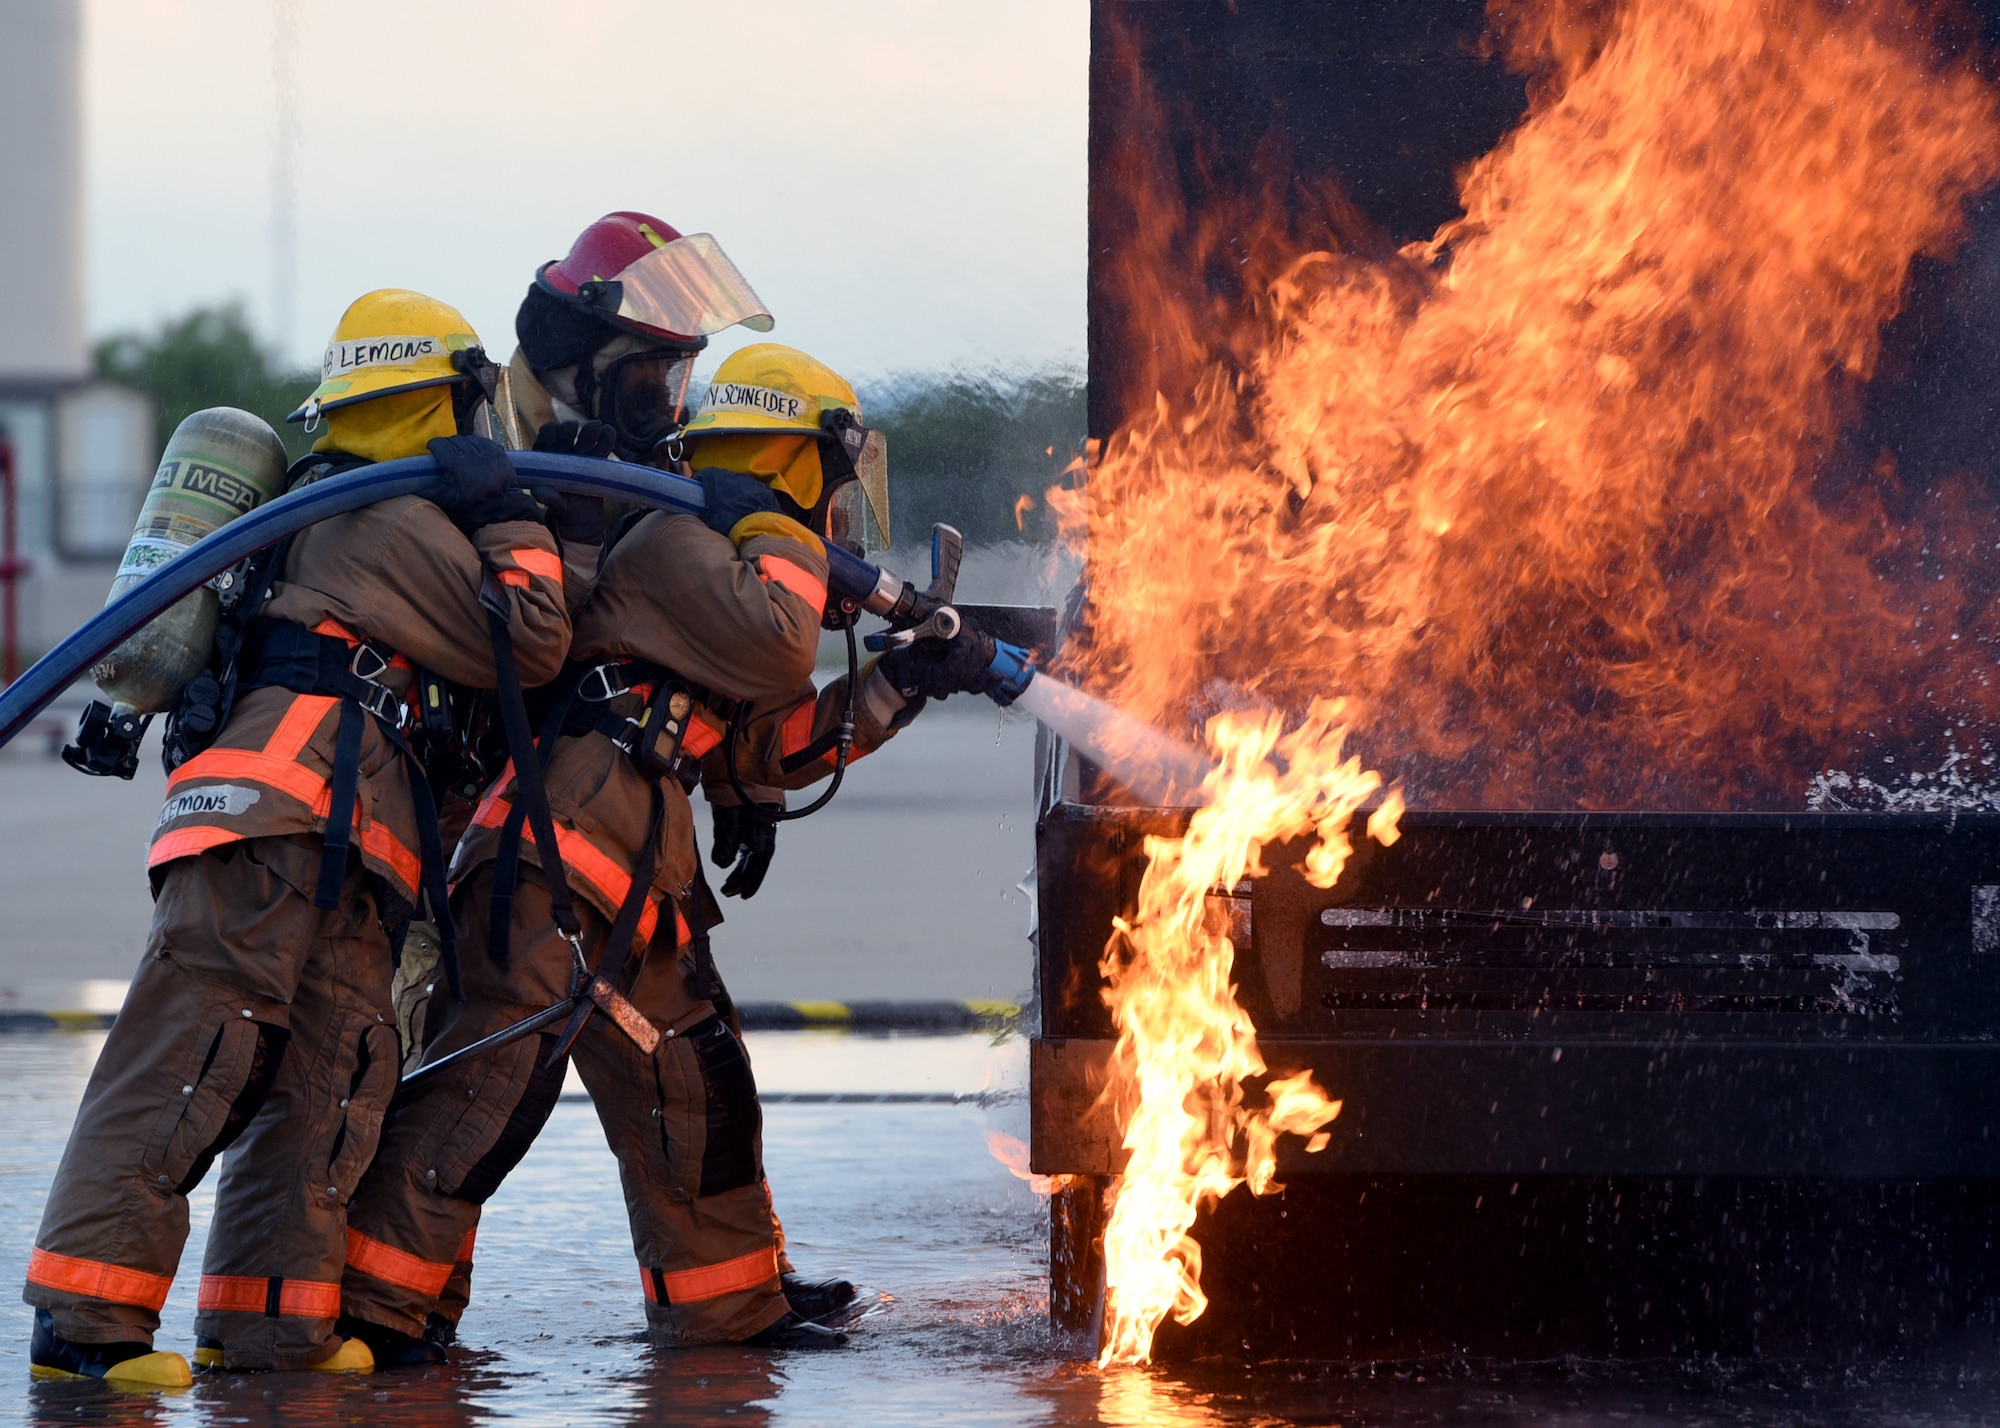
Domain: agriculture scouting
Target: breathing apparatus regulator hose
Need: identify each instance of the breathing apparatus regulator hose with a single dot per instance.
(848, 576)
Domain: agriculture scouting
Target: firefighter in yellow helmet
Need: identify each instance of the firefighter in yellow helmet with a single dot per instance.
(694, 625)
(298, 839)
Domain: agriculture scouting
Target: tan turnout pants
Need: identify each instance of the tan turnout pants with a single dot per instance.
(257, 1024)
(683, 1123)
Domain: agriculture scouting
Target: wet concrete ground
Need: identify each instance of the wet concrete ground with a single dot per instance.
(949, 1248)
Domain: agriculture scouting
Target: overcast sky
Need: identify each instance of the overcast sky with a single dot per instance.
(901, 180)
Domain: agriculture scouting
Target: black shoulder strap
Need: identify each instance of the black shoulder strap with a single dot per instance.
(529, 789)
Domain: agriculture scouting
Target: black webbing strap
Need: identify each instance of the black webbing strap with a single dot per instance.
(289, 656)
(345, 785)
(507, 853)
(625, 927)
(430, 845)
(529, 788)
(706, 915)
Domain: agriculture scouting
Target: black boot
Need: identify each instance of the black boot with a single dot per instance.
(816, 1299)
(440, 1330)
(392, 1349)
(132, 1364)
(793, 1332)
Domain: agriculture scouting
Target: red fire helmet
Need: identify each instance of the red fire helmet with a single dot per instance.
(604, 250)
(642, 274)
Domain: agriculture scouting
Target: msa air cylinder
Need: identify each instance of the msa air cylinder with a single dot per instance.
(219, 464)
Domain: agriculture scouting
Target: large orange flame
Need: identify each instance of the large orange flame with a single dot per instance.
(1185, 1047)
(1561, 501)
(1570, 473)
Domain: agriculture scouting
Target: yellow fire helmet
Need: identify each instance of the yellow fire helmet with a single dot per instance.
(768, 392)
(391, 340)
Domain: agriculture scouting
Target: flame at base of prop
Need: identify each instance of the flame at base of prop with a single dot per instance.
(1185, 1048)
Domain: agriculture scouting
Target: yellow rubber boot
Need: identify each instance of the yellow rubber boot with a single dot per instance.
(352, 1356)
(53, 1357)
(158, 1370)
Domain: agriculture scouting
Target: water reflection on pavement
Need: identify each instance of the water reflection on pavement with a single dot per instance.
(949, 1249)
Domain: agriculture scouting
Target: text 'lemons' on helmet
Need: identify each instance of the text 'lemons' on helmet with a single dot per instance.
(391, 340)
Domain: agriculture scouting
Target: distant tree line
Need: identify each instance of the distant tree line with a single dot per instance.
(976, 450)
(208, 358)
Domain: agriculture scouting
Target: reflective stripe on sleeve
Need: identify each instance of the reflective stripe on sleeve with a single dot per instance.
(776, 570)
(545, 563)
(272, 1297)
(797, 730)
(710, 1281)
(94, 1279)
(701, 738)
(398, 1267)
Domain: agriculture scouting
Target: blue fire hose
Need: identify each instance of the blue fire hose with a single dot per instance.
(849, 578)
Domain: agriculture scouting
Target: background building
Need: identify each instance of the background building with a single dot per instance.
(83, 449)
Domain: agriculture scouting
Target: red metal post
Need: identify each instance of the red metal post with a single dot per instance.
(14, 566)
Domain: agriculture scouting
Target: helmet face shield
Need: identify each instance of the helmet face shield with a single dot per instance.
(845, 519)
(688, 288)
(644, 395)
(858, 457)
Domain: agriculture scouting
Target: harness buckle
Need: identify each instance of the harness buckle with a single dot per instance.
(369, 650)
(384, 704)
(610, 677)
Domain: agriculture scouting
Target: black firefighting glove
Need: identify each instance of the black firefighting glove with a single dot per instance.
(935, 668)
(728, 496)
(576, 520)
(747, 836)
(477, 485)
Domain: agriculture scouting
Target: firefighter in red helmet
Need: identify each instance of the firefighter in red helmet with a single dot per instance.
(608, 336)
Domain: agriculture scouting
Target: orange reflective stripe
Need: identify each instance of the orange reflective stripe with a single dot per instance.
(293, 779)
(545, 563)
(495, 797)
(583, 857)
(700, 739)
(271, 1297)
(519, 579)
(300, 723)
(385, 847)
(776, 570)
(394, 1266)
(94, 1279)
(465, 1250)
(186, 842)
(798, 729)
(711, 1281)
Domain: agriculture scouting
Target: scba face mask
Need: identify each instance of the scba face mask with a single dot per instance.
(643, 396)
